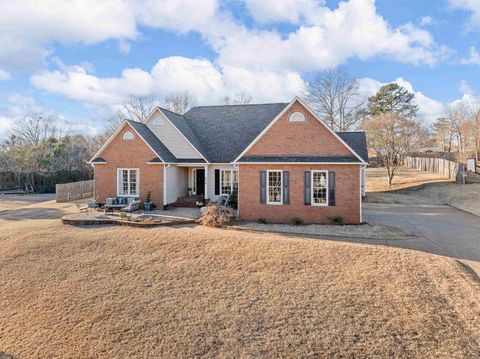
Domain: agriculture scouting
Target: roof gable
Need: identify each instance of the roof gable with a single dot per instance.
(145, 136)
(311, 137)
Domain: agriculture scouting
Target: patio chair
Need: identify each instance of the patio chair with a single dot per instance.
(90, 206)
(223, 200)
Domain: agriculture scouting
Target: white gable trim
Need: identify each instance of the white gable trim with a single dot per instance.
(280, 115)
(110, 139)
(165, 117)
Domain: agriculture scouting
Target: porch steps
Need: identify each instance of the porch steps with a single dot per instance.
(189, 202)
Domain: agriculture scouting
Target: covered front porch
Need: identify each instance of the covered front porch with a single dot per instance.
(190, 184)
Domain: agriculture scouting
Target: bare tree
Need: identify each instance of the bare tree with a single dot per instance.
(35, 129)
(335, 97)
(457, 116)
(137, 108)
(474, 109)
(443, 134)
(240, 98)
(180, 102)
(393, 137)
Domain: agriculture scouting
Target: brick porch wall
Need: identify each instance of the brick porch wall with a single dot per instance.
(347, 194)
(129, 154)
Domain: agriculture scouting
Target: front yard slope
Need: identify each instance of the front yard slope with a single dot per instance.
(198, 292)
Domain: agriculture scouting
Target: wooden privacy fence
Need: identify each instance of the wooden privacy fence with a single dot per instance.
(68, 191)
(450, 169)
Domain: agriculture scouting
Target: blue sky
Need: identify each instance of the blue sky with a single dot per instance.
(80, 59)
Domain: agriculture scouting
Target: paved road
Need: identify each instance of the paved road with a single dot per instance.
(439, 229)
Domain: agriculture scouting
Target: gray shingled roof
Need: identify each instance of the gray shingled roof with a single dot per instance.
(221, 133)
(357, 141)
(225, 131)
(293, 159)
(153, 141)
(99, 160)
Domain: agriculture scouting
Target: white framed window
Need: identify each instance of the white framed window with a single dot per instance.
(228, 181)
(319, 188)
(128, 135)
(274, 187)
(128, 182)
(296, 116)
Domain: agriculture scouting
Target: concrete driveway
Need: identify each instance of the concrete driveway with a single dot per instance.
(439, 229)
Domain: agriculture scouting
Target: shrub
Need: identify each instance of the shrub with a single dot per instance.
(215, 216)
(261, 220)
(336, 219)
(297, 221)
(123, 215)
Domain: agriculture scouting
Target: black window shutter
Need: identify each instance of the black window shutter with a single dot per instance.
(331, 188)
(217, 182)
(263, 187)
(286, 187)
(307, 188)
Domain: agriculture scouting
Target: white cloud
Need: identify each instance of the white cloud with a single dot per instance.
(19, 106)
(465, 88)
(29, 29)
(426, 21)
(207, 82)
(428, 108)
(124, 47)
(472, 6)
(4, 75)
(473, 58)
(315, 45)
(291, 11)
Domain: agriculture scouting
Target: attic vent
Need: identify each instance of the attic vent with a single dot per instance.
(128, 135)
(296, 117)
(158, 122)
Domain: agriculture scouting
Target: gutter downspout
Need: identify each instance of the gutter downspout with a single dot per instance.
(165, 166)
(237, 166)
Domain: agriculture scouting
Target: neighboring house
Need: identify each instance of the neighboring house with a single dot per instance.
(283, 161)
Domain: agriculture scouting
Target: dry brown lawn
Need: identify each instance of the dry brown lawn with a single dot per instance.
(377, 180)
(417, 187)
(117, 292)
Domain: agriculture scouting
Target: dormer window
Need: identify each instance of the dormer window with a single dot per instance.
(158, 122)
(128, 135)
(296, 116)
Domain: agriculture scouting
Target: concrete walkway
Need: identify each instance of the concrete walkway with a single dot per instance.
(440, 229)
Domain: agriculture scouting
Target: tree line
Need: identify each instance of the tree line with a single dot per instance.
(40, 150)
(390, 119)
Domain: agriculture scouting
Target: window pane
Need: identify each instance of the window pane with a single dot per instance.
(275, 187)
(124, 181)
(319, 187)
(235, 181)
(226, 181)
(133, 182)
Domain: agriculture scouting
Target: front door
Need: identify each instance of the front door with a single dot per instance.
(200, 181)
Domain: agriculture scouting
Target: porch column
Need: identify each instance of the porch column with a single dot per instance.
(206, 181)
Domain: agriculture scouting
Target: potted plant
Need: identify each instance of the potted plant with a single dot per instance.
(148, 205)
(189, 191)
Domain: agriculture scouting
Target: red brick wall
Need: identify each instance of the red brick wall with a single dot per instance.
(129, 154)
(347, 193)
(298, 138)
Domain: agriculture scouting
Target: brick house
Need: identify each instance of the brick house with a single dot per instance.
(280, 159)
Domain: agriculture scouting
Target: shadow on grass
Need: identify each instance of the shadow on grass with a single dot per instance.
(4, 355)
(31, 213)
